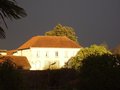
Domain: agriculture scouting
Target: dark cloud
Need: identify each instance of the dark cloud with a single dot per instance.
(95, 21)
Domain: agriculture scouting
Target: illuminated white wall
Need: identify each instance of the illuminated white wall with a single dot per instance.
(3, 53)
(42, 58)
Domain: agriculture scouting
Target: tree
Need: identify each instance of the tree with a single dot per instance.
(75, 62)
(9, 10)
(10, 78)
(100, 72)
(7, 64)
(60, 30)
(116, 50)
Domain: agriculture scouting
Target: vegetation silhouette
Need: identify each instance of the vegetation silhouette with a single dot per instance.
(10, 78)
(100, 72)
(75, 62)
(9, 10)
(116, 50)
(60, 30)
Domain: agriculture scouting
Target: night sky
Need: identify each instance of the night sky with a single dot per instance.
(94, 21)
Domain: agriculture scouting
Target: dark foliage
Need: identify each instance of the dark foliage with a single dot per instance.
(9, 10)
(9, 77)
(116, 50)
(100, 73)
(63, 79)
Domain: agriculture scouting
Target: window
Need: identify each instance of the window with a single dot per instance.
(56, 54)
(38, 53)
(47, 54)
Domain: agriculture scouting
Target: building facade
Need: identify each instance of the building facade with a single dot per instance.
(48, 52)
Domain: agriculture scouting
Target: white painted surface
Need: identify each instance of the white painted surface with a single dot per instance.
(3, 53)
(42, 58)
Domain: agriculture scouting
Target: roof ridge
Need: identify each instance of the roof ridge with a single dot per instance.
(50, 41)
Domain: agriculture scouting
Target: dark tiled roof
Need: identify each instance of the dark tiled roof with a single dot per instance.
(20, 61)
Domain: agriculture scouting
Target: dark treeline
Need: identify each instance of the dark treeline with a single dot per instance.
(63, 79)
(95, 71)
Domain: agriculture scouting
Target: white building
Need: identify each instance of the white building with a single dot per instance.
(45, 52)
(3, 52)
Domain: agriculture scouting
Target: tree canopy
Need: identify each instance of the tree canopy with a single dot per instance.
(100, 72)
(96, 50)
(60, 30)
(116, 50)
(9, 10)
(98, 68)
(9, 76)
(6, 63)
